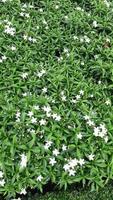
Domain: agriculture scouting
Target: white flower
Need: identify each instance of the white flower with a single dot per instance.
(72, 172)
(63, 97)
(81, 162)
(25, 37)
(64, 147)
(22, 14)
(74, 101)
(107, 3)
(30, 114)
(82, 63)
(108, 102)
(30, 39)
(91, 157)
(44, 90)
(90, 123)
(87, 39)
(56, 7)
(47, 109)
(34, 120)
(24, 94)
(23, 191)
(9, 30)
(106, 139)
(4, 57)
(52, 161)
(48, 144)
(96, 131)
(24, 75)
(23, 162)
(66, 50)
(75, 37)
(56, 152)
(73, 163)
(1, 174)
(41, 10)
(66, 167)
(2, 182)
(81, 92)
(36, 107)
(3, 1)
(78, 97)
(95, 25)
(13, 48)
(42, 122)
(79, 136)
(18, 114)
(86, 117)
(44, 22)
(27, 15)
(39, 178)
(81, 40)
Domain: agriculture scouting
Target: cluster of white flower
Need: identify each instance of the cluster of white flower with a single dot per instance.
(48, 145)
(41, 73)
(89, 121)
(9, 29)
(29, 38)
(63, 97)
(85, 39)
(18, 116)
(56, 117)
(78, 97)
(79, 8)
(98, 131)
(66, 51)
(101, 131)
(24, 13)
(23, 162)
(2, 181)
(72, 164)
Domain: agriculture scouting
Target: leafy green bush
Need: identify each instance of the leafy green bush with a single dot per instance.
(56, 93)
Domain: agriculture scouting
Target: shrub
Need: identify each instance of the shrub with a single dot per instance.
(56, 83)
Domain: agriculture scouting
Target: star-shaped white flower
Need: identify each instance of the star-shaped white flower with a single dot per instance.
(34, 120)
(81, 161)
(79, 136)
(64, 147)
(24, 75)
(52, 161)
(72, 172)
(56, 152)
(91, 157)
(23, 191)
(42, 122)
(30, 114)
(39, 178)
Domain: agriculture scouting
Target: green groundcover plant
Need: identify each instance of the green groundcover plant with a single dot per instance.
(56, 94)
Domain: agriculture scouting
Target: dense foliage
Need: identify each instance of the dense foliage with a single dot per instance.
(56, 93)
